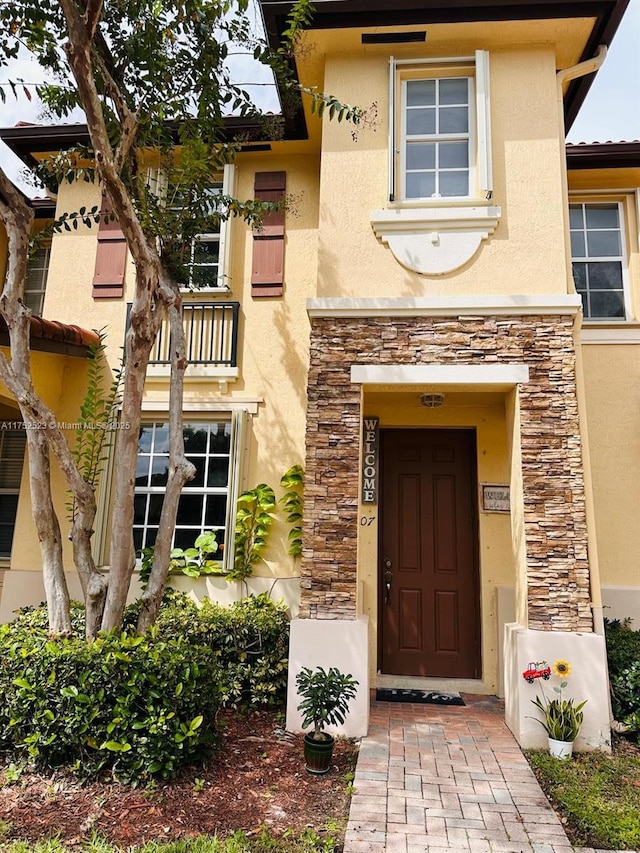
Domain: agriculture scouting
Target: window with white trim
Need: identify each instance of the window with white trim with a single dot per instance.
(209, 254)
(36, 283)
(440, 128)
(12, 447)
(599, 258)
(436, 156)
(208, 501)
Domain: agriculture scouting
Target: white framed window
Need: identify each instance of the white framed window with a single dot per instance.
(436, 153)
(12, 448)
(36, 283)
(208, 502)
(598, 255)
(440, 129)
(208, 264)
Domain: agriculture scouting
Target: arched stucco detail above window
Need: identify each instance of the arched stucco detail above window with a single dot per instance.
(434, 241)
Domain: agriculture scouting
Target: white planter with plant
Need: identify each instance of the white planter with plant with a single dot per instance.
(561, 718)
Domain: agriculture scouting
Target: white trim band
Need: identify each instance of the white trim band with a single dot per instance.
(446, 306)
(628, 334)
(440, 374)
(205, 406)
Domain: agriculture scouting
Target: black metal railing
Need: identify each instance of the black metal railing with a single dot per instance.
(211, 334)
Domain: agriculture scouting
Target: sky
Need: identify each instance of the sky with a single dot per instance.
(611, 111)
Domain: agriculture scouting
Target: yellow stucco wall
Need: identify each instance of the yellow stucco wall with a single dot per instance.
(60, 381)
(331, 250)
(613, 410)
(611, 381)
(525, 254)
(273, 338)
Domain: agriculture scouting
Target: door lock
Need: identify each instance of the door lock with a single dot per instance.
(388, 577)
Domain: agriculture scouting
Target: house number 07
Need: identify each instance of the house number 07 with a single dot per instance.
(365, 521)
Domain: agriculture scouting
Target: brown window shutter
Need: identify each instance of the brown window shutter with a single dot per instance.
(267, 270)
(111, 258)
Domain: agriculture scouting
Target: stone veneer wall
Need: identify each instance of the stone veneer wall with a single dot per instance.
(555, 520)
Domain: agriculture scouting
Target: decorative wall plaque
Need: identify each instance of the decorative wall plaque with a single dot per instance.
(496, 497)
(370, 460)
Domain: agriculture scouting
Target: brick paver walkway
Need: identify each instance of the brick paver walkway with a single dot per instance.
(432, 779)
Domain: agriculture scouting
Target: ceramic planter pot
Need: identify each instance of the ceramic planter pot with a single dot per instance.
(317, 754)
(560, 748)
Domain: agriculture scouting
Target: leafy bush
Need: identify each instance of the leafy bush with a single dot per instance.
(250, 637)
(623, 654)
(137, 706)
(623, 645)
(37, 618)
(192, 562)
(254, 517)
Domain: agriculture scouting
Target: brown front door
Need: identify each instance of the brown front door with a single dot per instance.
(429, 597)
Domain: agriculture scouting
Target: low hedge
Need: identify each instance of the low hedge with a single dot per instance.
(250, 637)
(137, 706)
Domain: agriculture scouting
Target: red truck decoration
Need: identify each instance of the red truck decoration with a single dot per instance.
(536, 669)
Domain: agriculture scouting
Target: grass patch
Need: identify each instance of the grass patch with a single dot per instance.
(307, 841)
(598, 794)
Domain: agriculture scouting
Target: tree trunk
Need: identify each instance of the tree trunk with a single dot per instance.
(43, 435)
(180, 471)
(140, 337)
(48, 530)
(16, 375)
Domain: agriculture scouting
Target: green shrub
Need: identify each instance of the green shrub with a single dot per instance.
(250, 637)
(623, 655)
(623, 645)
(137, 706)
(37, 618)
(625, 690)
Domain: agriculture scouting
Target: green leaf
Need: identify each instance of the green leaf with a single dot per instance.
(113, 746)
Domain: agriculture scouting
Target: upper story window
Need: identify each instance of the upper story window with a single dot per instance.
(599, 258)
(208, 265)
(204, 262)
(440, 129)
(436, 155)
(440, 168)
(36, 284)
(209, 254)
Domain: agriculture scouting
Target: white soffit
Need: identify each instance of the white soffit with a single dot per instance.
(488, 375)
(446, 306)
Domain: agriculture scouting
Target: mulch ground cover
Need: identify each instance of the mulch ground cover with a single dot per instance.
(256, 779)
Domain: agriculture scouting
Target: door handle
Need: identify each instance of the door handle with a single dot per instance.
(388, 577)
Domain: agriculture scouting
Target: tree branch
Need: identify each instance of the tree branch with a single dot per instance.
(92, 16)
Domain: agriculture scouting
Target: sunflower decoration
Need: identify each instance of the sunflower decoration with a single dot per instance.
(562, 668)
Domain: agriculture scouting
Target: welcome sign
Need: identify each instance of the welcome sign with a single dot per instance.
(370, 435)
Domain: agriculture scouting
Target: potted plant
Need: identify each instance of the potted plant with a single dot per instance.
(326, 695)
(562, 718)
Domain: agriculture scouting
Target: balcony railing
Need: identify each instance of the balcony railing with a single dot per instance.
(211, 335)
